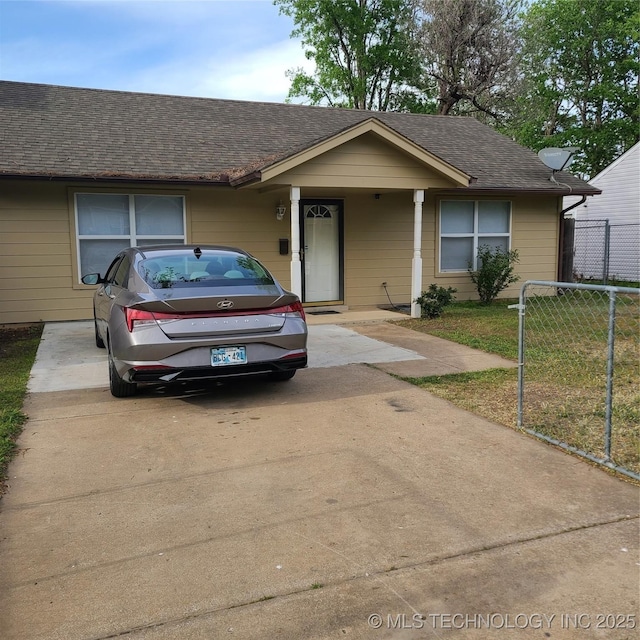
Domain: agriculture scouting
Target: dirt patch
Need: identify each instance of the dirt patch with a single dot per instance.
(12, 335)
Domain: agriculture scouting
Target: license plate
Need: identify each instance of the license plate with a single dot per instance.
(222, 356)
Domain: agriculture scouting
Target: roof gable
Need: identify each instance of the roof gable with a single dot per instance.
(366, 161)
(371, 126)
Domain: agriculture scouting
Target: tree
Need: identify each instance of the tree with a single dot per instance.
(580, 79)
(363, 50)
(470, 51)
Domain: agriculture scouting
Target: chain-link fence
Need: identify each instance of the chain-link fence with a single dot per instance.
(579, 373)
(606, 252)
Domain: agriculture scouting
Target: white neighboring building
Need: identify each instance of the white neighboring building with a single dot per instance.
(616, 214)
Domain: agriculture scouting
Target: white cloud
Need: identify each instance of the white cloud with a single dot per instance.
(257, 75)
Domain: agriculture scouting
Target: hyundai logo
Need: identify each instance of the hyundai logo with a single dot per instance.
(225, 304)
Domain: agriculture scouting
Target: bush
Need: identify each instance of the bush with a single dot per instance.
(494, 273)
(434, 300)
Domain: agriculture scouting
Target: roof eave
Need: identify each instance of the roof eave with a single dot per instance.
(246, 179)
(475, 190)
(224, 180)
(147, 179)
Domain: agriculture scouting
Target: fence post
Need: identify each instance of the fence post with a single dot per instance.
(607, 250)
(610, 355)
(521, 310)
(567, 249)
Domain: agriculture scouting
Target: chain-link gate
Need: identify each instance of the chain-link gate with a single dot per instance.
(579, 370)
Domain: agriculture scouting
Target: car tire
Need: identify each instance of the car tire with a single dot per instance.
(99, 341)
(282, 376)
(119, 388)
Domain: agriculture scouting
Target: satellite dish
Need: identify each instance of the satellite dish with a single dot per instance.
(556, 158)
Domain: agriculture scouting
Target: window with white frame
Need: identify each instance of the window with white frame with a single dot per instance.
(466, 225)
(106, 223)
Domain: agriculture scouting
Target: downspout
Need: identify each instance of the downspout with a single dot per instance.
(566, 244)
(574, 205)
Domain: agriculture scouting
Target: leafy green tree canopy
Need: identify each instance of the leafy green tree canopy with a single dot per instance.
(562, 73)
(364, 52)
(580, 79)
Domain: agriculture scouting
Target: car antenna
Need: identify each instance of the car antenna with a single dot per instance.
(198, 252)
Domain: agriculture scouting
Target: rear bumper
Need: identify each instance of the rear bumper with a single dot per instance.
(165, 375)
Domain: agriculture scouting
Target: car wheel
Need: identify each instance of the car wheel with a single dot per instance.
(281, 376)
(99, 340)
(119, 388)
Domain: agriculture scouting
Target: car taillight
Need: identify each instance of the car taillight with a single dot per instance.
(295, 307)
(298, 308)
(137, 317)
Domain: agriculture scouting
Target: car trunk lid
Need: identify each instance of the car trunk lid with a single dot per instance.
(195, 316)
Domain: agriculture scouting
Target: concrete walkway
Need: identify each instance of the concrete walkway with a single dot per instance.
(342, 504)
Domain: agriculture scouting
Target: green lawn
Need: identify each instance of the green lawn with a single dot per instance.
(18, 348)
(565, 372)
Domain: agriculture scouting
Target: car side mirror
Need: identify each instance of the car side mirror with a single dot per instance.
(92, 278)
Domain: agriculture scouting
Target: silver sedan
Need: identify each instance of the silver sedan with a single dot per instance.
(174, 313)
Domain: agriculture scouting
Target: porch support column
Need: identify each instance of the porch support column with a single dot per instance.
(296, 265)
(416, 264)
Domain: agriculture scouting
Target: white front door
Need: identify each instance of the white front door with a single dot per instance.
(321, 252)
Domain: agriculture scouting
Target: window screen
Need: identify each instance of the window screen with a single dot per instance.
(466, 225)
(108, 223)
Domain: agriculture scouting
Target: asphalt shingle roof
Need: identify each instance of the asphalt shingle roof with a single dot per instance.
(65, 132)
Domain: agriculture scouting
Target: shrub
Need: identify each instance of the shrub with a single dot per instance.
(494, 273)
(434, 300)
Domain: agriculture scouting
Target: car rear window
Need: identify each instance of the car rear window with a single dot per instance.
(211, 269)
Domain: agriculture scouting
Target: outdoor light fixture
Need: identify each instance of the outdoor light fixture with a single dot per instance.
(280, 211)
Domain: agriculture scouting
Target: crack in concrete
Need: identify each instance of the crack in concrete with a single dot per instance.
(376, 575)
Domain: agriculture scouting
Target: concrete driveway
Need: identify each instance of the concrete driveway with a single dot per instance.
(68, 358)
(344, 503)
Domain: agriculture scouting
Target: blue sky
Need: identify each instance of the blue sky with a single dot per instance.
(236, 49)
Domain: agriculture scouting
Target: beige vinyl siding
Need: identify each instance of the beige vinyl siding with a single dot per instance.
(534, 233)
(38, 270)
(379, 247)
(245, 219)
(378, 240)
(36, 281)
(536, 236)
(38, 262)
(365, 162)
